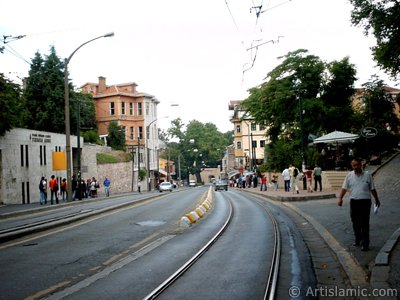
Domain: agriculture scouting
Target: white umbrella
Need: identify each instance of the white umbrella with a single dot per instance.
(336, 137)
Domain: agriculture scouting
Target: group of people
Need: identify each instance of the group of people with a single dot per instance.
(292, 175)
(56, 189)
(80, 189)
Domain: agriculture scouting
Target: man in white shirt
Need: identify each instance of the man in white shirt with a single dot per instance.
(361, 186)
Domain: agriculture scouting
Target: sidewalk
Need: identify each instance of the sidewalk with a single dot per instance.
(381, 264)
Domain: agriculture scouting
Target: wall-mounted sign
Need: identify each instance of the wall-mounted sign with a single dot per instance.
(40, 138)
(369, 132)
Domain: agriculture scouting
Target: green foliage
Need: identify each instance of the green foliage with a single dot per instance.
(84, 104)
(91, 136)
(381, 18)
(11, 113)
(44, 94)
(379, 106)
(116, 136)
(104, 158)
(301, 84)
(200, 145)
(142, 174)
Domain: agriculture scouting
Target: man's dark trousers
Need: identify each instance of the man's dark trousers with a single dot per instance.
(359, 213)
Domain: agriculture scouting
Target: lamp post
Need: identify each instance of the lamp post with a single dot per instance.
(67, 121)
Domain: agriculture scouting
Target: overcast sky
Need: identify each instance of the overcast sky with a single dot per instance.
(186, 52)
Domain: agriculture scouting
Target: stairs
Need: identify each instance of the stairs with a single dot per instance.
(333, 179)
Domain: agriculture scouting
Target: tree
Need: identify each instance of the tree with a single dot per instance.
(11, 113)
(337, 95)
(302, 96)
(44, 93)
(116, 136)
(381, 18)
(200, 145)
(378, 105)
(87, 112)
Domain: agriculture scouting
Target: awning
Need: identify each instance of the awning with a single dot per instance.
(339, 137)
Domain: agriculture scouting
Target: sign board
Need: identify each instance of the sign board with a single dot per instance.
(369, 132)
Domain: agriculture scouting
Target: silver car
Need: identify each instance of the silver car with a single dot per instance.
(165, 186)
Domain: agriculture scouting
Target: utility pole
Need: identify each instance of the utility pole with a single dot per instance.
(138, 162)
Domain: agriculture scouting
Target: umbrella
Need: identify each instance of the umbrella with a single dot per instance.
(336, 137)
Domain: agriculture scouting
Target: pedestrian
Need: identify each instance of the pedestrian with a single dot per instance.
(294, 172)
(286, 179)
(255, 181)
(308, 175)
(263, 186)
(53, 185)
(43, 191)
(361, 186)
(64, 189)
(107, 184)
(317, 173)
(93, 188)
(74, 187)
(275, 181)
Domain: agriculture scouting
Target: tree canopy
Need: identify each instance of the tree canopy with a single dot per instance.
(44, 97)
(195, 145)
(12, 109)
(302, 96)
(381, 18)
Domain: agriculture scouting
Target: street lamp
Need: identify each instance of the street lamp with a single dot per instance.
(67, 121)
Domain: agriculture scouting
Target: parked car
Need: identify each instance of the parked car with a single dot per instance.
(165, 186)
(192, 182)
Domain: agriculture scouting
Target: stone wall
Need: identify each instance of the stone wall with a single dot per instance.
(120, 175)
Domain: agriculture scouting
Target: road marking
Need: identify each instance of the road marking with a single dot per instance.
(104, 273)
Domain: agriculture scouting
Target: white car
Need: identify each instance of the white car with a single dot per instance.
(192, 182)
(165, 186)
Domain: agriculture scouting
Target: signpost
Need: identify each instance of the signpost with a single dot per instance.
(369, 132)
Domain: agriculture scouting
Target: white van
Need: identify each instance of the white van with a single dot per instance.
(192, 182)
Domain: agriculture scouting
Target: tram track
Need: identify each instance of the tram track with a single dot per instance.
(272, 278)
(50, 222)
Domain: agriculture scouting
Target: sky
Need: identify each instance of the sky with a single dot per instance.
(197, 54)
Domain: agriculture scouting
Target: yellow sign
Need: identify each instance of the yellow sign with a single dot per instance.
(59, 161)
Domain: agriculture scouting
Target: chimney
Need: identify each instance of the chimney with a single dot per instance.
(102, 84)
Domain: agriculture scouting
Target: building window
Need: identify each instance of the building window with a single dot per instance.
(237, 128)
(139, 108)
(131, 108)
(26, 156)
(44, 155)
(254, 144)
(41, 155)
(122, 108)
(239, 145)
(262, 143)
(140, 132)
(22, 155)
(112, 109)
(262, 127)
(147, 109)
(132, 132)
(253, 127)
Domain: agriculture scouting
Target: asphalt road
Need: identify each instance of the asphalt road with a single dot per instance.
(128, 252)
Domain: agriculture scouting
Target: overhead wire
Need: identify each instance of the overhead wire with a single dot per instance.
(259, 10)
(233, 18)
